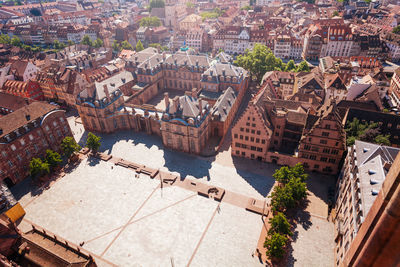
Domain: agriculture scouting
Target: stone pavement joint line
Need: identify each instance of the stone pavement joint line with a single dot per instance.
(217, 209)
(132, 222)
(130, 219)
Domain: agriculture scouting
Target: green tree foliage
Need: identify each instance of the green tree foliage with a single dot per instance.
(246, 8)
(116, 46)
(98, 43)
(38, 168)
(259, 60)
(279, 224)
(284, 174)
(303, 66)
(357, 130)
(290, 66)
(139, 46)
(58, 45)
(126, 45)
(189, 5)
(275, 245)
(15, 41)
(156, 4)
(93, 142)
(216, 13)
(150, 22)
(70, 42)
(396, 30)
(53, 158)
(335, 13)
(5, 39)
(291, 189)
(69, 146)
(86, 40)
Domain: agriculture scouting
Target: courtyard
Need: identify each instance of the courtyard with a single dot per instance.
(128, 221)
(125, 221)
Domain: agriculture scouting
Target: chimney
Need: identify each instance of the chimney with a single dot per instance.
(166, 100)
(200, 107)
(106, 91)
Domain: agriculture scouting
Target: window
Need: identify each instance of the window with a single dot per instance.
(237, 144)
(328, 126)
(325, 134)
(257, 140)
(13, 147)
(243, 154)
(241, 129)
(246, 138)
(30, 137)
(235, 136)
(316, 166)
(54, 123)
(323, 159)
(259, 149)
(258, 132)
(62, 119)
(4, 154)
(241, 137)
(307, 147)
(253, 148)
(27, 152)
(332, 160)
(325, 150)
(322, 141)
(51, 138)
(334, 152)
(252, 139)
(276, 134)
(247, 130)
(253, 125)
(36, 147)
(237, 152)
(22, 141)
(19, 157)
(313, 157)
(253, 131)
(47, 128)
(262, 141)
(10, 163)
(247, 123)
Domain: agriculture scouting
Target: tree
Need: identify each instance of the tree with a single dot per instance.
(382, 139)
(303, 66)
(284, 174)
(279, 224)
(126, 45)
(282, 199)
(246, 8)
(189, 5)
(70, 42)
(139, 46)
(5, 39)
(290, 66)
(58, 45)
(69, 146)
(259, 60)
(156, 4)
(98, 43)
(396, 30)
(150, 22)
(38, 168)
(53, 158)
(275, 245)
(93, 142)
(297, 189)
(116, 46)
(15, 41)
(86, 40)
(335, 13)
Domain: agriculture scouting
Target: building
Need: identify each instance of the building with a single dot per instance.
(394, 91)
(29, 89)
(186, 124)
(323, 141)
(361, 178)
(28, 132)
(190, 22)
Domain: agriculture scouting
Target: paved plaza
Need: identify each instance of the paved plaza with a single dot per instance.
(131, 221)
(128, 221)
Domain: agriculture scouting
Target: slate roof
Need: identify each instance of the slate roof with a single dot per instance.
(224, 104)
